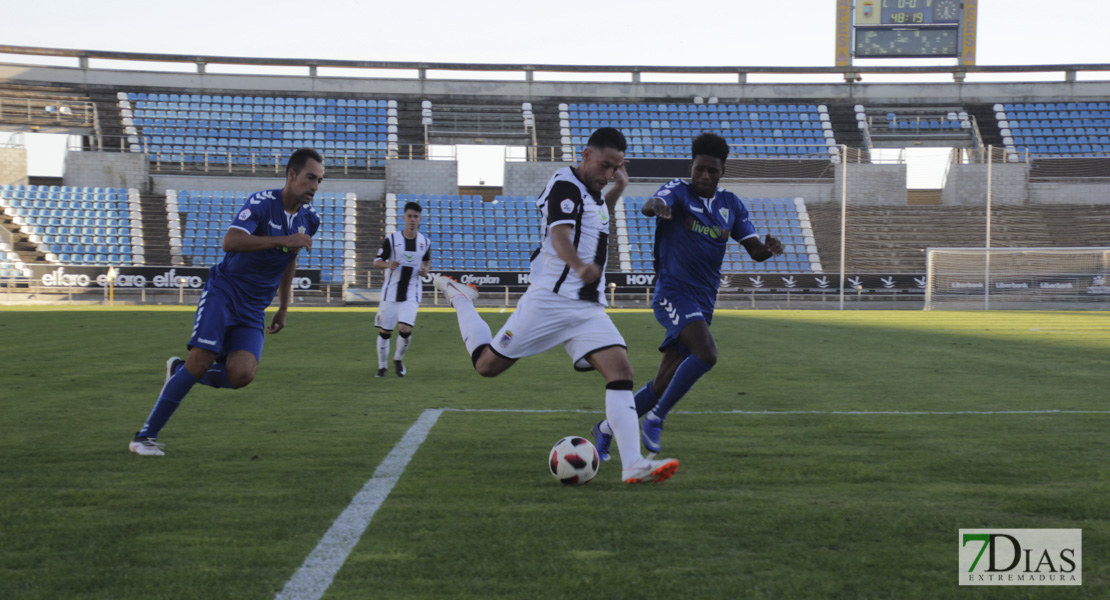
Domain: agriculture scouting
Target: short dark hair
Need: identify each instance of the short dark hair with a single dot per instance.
(608, 137)
(298, 159)
(412, 206)
(710, 144)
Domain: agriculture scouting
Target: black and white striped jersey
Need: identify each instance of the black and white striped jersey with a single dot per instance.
(566, 200)
(403, 283)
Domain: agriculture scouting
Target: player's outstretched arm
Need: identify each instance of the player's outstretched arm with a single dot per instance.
(761, 251)
(655, 207)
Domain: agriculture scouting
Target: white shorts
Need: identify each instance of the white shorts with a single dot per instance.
(544, 319)
(392, 313)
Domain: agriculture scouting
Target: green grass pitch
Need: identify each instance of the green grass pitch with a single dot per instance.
(828, 455)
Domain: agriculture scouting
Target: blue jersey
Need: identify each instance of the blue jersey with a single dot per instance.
(252, 278)
(690, 246)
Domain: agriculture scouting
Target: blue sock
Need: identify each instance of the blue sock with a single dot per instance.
(684, 378)
(216, 376)
(645, 399)
(172, 394)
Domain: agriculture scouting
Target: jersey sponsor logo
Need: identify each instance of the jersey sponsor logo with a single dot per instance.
(692, 315)
(567, 206)
(244, 214)
(506, 339)
(709, 231)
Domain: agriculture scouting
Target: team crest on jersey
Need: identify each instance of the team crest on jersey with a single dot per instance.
(603, 212)
(724, 213)
(506, 339)
(244, 214)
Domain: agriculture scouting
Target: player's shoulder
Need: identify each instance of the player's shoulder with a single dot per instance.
(262, 197)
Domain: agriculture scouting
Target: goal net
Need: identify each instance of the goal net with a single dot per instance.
(1017, 278)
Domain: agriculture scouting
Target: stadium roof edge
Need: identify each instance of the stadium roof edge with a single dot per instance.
(84, 55)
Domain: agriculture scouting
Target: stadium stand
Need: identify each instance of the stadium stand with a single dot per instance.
(467, 233)
(202, 128)
(198, 220)
(11, 265)
(785, 218)
(666, 130)
(1054, 128)
(78, 225)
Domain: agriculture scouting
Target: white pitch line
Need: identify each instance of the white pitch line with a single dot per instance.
(808, 412)
(319, 569)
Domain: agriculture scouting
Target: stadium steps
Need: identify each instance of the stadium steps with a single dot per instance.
(988, 123)
(410, 133)
(156, 237)
(111, 122)
(478, 122)
(21, 243)
(548, 140)
(369, 230)
(39, 120)
(893, 239)
(843, 119)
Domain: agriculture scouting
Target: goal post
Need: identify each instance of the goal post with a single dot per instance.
(1017, 279)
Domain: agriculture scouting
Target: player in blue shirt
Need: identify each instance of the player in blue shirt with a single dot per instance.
(694, 221)
(261, 248)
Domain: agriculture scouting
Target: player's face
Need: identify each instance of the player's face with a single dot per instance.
(303, 185)
(705, 174)
(598, 166)
(412, 220)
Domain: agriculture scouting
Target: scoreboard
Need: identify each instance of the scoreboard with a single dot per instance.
(908, 29)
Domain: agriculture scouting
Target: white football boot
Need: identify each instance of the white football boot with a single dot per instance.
(452, 288)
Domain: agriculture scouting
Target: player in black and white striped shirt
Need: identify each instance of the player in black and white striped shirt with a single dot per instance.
(564, 304)
(405, 256)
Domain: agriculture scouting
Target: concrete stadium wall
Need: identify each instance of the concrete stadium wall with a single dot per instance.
(1069, 193)
(107, 169)
(967, 185)
(421, 177)
(13, 166)
(529, 178)
(872, 185)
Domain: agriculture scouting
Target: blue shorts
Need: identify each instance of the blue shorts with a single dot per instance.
(674, 312)
(222, 328)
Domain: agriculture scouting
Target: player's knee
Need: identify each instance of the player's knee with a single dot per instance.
(240, 377)
(709, 356)
(197, 364)
(385, 335)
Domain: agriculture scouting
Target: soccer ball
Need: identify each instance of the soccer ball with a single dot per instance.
(573, 460)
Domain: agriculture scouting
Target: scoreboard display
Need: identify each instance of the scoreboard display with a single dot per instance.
(908, 28)
(901, 42)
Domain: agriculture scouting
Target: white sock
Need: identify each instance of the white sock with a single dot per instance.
(620, 411)
(383, 351)
(403, 342)
(475, 332)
